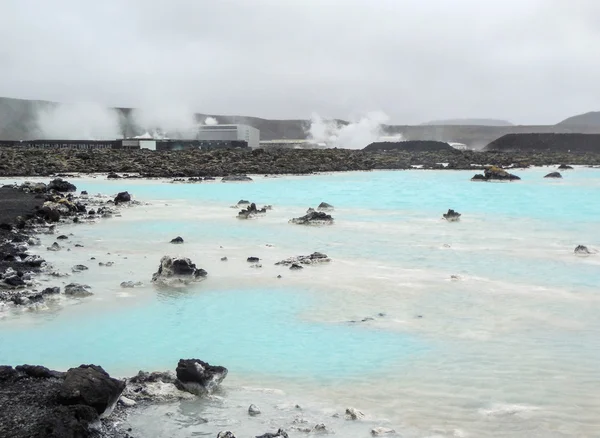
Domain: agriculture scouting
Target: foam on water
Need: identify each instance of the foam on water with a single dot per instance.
(509, 346)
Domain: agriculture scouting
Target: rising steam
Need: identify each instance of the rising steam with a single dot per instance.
(79, 121)
(354, 135)
(211, 121)
(163, 121)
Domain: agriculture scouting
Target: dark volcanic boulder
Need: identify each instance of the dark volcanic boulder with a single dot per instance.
(495, 173)
(564, 167)
(177, 271)
(582, 249)
(251, 211)
(177, 241)
(236, 178)
(452, 216)
(78, 290)
(122, 197)
(279, 434)
(314, 258)
(553, 175)
(112, 175)
(90, 385)
(324, 206)
(60, 185)
(198, 377)
(253, 260)
(313, 218)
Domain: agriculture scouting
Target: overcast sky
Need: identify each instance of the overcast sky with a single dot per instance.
(528, 61)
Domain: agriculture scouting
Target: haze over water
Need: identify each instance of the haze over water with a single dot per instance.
(509, 346)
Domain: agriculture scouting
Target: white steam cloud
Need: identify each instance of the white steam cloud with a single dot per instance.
(78, 121)
(354, 135)
(163, 121)
(211, 121)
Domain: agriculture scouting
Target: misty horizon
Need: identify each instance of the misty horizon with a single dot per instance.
(524, 62)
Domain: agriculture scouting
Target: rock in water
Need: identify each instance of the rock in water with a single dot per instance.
(243, 202)
(90, 385)
(313, 218)
(122, 197)
(279, 434)
(225, 434)
(495, 173)
(553, 175)
(177, 271)
(354, 414)
(78, 290)
(295, 267)
(324, 206)
(236, 178)
(60, 185)
(253, 410)
(79, 268)
(378, 431)
(582, 249)
(178, 240)
(452, 216)
(253, 260)
(564, 167)
(314, 258)
(198, 377)
(251, 211)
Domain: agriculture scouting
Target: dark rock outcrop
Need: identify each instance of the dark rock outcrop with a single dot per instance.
(279, 434)
(313, 218)
(36, 402)
(553, 175)
(90, 385)
(583, 250)
(78, 290)
(565, 167)
(122, 197)
(199, 377)
(253, 259)
(452, 216)
(546, 142)
(60, 185)
(324, 206)
(177, 271)
(314, 258)
(251, 211)
(177, 241)
(495, 173)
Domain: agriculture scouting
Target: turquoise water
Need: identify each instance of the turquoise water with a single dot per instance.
(508, 347)
(249, 330)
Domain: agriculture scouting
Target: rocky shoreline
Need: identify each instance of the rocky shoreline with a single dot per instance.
(30, 209)
(196, 163)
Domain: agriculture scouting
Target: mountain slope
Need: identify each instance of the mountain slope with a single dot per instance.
(587, 119)
(469, 122)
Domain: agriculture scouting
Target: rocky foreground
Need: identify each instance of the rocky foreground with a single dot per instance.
(196, 163)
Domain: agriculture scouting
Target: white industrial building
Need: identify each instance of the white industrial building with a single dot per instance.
(230, 133)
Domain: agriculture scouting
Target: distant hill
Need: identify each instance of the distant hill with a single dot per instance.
(18, 121)
(469, 122)
(409, 146)
(587, 119)
(546, 142)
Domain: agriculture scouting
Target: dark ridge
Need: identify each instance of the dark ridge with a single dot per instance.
(469, 122)
(546, 142)
(409, 146)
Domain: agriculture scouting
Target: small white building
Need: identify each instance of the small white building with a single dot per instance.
(230, 133)
(145, 141)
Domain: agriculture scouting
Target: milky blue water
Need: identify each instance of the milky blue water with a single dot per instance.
(489, 326)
